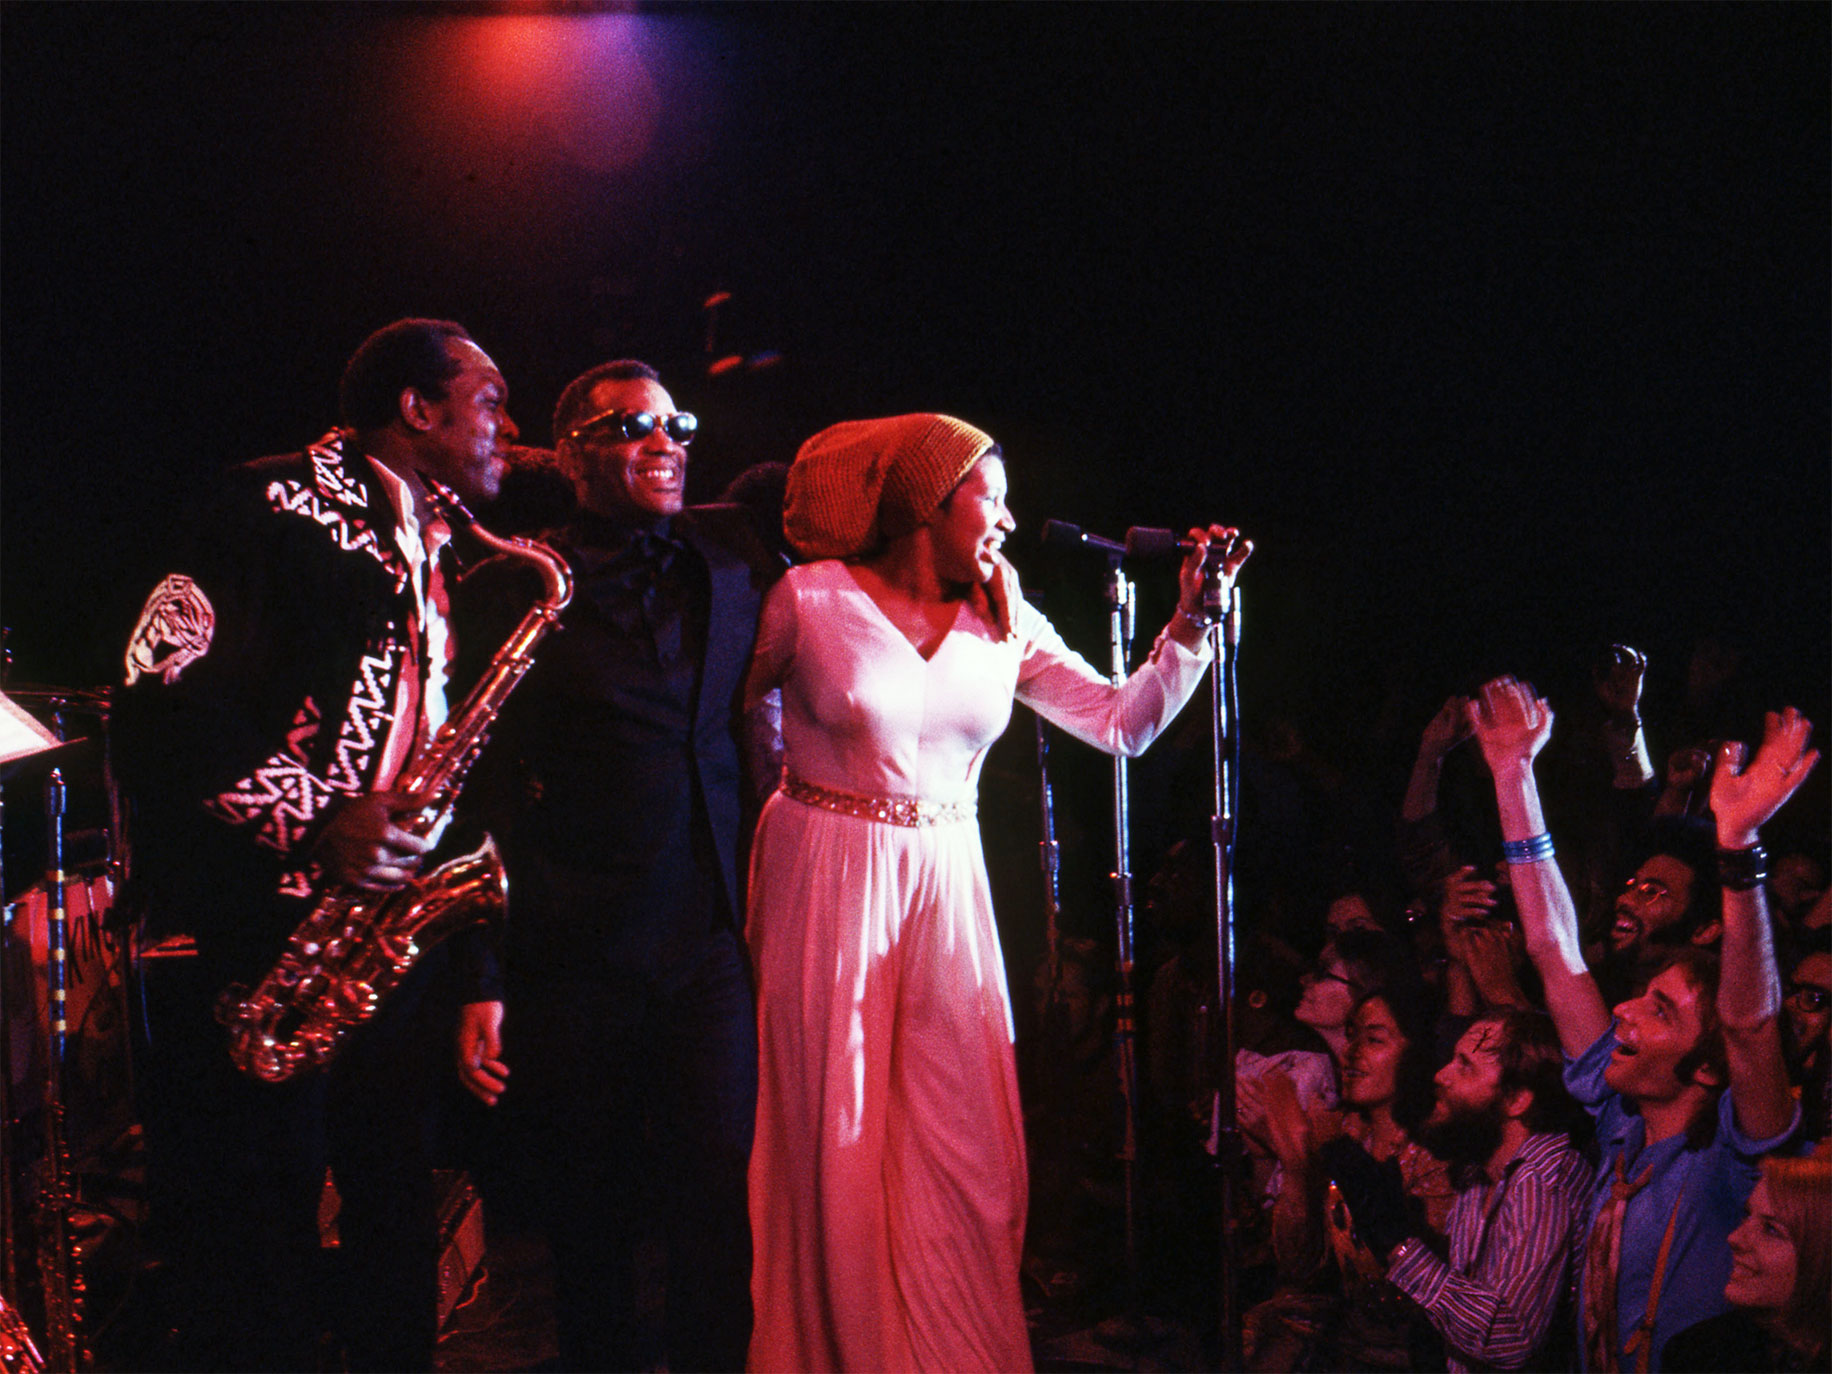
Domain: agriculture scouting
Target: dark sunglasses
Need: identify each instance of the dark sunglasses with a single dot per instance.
(632, 425)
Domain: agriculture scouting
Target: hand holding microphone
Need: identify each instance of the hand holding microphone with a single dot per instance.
(1206, 579)
(1212, 558)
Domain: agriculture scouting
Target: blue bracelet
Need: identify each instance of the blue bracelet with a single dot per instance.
(1531, 851)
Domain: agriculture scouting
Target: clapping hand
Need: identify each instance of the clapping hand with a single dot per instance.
(1374, 1191)
(1445, 730)
(1492, 952)
(1511, 724)
(1743, 798)
(1686, 767)
(1466, 898)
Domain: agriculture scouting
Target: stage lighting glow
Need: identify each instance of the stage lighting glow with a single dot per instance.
(584, 79)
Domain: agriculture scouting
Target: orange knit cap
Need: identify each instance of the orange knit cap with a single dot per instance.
(861, 482)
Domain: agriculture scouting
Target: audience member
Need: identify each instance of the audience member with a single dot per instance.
(1780, 1275)
(1501, 1121)
(1351, 968)
(1338, 1310)
(1796, 881)
(1670, 901)
(1687, 1086)
(1809, 1041)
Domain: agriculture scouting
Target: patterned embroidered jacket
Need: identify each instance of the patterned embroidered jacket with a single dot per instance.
(261, 683)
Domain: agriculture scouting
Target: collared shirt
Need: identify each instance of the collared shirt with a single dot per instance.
(1511, 1249)
(420, 705)
(1702, 1192)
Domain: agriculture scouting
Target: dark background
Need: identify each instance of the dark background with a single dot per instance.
(1504, 330)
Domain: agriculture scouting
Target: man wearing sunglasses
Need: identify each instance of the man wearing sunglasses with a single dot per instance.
(1669, 902)
(615, 1022)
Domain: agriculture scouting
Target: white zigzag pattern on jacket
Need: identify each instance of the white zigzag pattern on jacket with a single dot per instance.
(285, 795)
(297, 883)
(328, 471)
(352, 535)
(281, 793)
(366, 722)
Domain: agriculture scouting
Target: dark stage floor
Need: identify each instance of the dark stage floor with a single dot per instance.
(506, 1322)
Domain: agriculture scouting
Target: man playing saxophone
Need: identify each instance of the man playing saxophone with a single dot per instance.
(276, 683)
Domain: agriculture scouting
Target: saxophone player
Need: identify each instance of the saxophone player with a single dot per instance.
(276, 681)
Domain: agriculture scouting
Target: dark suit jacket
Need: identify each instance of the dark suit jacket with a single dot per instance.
(589, 787)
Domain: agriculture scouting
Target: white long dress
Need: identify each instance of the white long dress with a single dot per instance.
(888, 1179)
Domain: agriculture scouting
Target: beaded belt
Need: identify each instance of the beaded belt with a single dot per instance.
(910, 811)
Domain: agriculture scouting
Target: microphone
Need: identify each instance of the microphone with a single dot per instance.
(1144, 542)
(1059, 534)
(1141, 541)
(1217, 605)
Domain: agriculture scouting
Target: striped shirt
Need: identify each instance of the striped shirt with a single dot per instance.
(1512, 1245)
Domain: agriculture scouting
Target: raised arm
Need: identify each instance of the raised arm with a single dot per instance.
(1443, 732)
(1066, 690)
(1512, 725)
(1618, 686)
(1749, 988)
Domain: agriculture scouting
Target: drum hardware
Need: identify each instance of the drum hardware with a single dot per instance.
(61, 1279)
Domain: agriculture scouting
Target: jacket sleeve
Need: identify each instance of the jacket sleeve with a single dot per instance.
(226, 687)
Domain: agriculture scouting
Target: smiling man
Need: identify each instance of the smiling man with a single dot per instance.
(1499, 1120)
(276, 681)
(616, 1022)
(1686, 1082)
(1669, 903)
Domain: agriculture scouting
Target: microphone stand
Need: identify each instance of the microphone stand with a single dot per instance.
(60, 1278)
(1221, 606)
(1049, 855)
(1050, 858)
(1122, 607)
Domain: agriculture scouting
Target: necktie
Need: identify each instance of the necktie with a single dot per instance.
(1602, 1266)
(640, 596)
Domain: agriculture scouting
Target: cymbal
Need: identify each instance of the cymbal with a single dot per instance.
(40, 697)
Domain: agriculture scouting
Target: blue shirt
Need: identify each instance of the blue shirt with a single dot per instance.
(1708, 1186)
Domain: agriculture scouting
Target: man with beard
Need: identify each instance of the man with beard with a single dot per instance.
(1500, 1121)
(1671, 901)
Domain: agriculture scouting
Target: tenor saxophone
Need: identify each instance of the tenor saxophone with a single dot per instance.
(356, 947)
